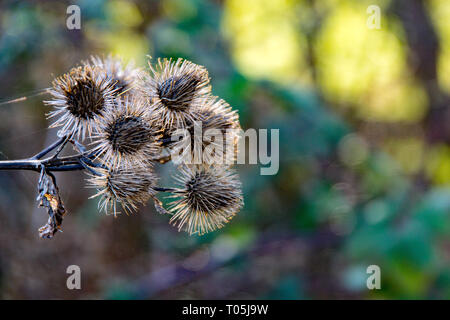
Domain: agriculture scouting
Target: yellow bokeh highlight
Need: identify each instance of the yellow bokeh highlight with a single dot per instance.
(438, 164)
(408, 152)
(129, 45)
(124, 13)
(265, 39)
(440, 13)
(122, 38)
(366, 68)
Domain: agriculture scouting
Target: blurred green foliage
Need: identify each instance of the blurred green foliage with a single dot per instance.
(363, 178)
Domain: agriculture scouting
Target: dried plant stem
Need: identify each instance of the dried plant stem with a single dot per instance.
(71, 163)
(50, 148)
(165, 189)
(53, 163)
(48, 190)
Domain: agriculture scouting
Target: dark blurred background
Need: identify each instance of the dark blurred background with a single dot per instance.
(364, 151)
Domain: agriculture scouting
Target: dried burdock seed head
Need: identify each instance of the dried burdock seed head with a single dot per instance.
(80, 98)
(208, 199)
(124, 187)
(127, 135)
(174, 88)
(124, 77)
(213, 135)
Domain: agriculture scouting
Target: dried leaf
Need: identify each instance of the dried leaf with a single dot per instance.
(49, 198)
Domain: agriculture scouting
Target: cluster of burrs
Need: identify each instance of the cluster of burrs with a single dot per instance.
(124, 119)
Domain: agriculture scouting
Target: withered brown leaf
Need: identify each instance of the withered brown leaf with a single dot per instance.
(49, 198)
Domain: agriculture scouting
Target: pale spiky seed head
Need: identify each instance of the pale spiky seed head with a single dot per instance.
(174, 88)
(125, 77)
(208, 199)
(127, 135)
(219, 133)
(80, 98)
(127, 187)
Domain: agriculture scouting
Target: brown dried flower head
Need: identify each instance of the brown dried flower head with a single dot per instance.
(127, 187)
(80, 98)
(125, 77)
(127, 135)
(208, 199)
(174, 88)
(214, 134)
(132, 119)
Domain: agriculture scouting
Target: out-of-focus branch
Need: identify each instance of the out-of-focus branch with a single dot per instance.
(166, 278)
(424, 50)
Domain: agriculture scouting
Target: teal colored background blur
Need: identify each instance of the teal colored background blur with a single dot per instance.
(364, 173)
